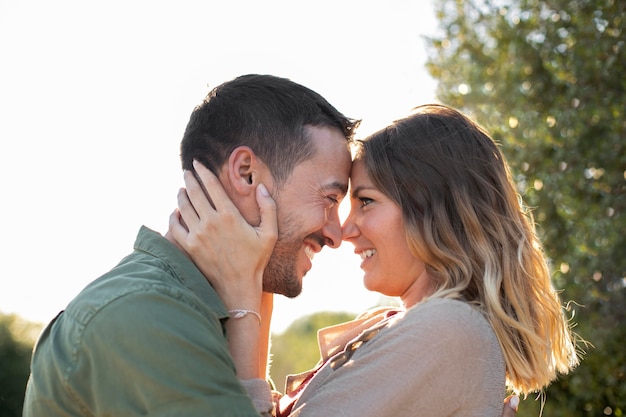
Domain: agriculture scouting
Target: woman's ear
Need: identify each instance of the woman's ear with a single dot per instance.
(243, 170)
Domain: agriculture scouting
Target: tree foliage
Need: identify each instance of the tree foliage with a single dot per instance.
(546, 78)
(16, 342)
(296, 349)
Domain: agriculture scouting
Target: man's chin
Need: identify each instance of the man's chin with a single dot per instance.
(291, 290)
(292, 295)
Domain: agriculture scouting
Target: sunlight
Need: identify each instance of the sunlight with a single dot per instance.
(97, 99)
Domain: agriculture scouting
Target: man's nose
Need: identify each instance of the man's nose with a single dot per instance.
(332, 230)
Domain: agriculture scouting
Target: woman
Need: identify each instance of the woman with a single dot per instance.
(438, 223)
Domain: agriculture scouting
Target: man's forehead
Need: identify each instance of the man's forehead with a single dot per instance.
(331, 163)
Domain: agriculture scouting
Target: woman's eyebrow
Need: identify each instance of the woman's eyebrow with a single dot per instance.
(354, 192)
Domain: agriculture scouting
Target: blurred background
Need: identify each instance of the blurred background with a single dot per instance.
(94, 98)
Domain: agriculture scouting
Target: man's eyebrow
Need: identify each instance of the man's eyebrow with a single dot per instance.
(336, 186)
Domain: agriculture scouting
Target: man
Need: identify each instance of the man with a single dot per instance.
(148, 337)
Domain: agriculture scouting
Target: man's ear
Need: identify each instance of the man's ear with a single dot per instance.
(243, 170)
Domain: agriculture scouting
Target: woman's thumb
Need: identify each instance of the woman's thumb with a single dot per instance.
(269, 222)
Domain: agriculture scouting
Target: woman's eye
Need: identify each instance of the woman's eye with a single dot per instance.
(365, 201)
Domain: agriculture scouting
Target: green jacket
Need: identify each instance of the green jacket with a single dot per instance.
(147, 338)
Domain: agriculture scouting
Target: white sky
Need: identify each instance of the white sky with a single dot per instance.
(94, 98)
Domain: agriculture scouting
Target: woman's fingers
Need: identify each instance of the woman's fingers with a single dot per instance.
(509, 408)
(187, 211)
(213, 188)
(208, 197)
(199, 199)
(177, 227)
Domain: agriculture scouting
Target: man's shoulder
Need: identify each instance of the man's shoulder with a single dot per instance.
(130, 278)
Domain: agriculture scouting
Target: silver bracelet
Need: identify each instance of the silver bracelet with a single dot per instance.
(239, 314)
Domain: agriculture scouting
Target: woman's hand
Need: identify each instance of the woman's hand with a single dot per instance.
(231, 253)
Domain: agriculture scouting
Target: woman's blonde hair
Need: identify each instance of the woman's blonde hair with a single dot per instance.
(465, 220)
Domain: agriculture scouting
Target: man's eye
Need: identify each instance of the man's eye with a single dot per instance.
(333, 200)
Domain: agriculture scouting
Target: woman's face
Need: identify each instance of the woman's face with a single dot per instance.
(375, 228)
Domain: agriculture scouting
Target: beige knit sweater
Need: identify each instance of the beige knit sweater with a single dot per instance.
(440, 358)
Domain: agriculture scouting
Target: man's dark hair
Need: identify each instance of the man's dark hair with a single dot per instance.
(267, 113)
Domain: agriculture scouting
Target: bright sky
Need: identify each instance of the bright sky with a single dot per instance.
(94, 98)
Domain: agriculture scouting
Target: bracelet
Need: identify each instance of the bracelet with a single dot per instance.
(239, 314)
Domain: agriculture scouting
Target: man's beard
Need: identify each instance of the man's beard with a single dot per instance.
(280, 276)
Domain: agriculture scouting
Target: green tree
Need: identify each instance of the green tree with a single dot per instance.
(296, 349)
(16, 343)
(546, 78)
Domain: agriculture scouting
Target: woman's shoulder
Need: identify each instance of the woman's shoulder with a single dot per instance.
(452, 305)
(445, 306)
(448, 316)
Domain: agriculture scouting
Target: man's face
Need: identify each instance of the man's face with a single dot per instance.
(308, 216)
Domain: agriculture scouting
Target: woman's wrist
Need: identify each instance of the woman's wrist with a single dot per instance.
(244, 335)
(241, 296)
(240, 313)
(267, 305)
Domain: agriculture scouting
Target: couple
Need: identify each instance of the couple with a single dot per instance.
(434, 214)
